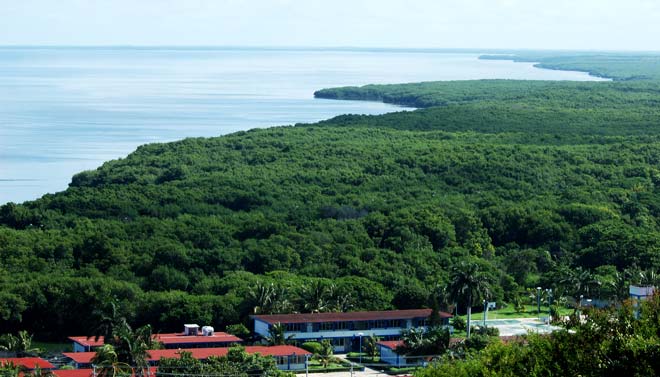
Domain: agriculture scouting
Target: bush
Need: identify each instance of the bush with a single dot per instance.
(239, 330)
(477, 342)
(313, 347)
(485, 330)
(459, 323)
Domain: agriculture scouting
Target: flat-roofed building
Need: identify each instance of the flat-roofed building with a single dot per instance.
(169, 341)
(88, 372)
(29, 363)
(346, 330)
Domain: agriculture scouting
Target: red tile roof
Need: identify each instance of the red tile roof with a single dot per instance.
(74, 372)
(169, 338)
(85, 372)
(28, 362)
(179, 338)
(351, 316)
(199, 353)
(391, 344)
(87, 342)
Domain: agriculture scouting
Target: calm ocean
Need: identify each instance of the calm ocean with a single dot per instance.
(64, 110)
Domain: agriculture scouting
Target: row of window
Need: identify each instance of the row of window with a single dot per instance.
(355, 325)
(294, 359)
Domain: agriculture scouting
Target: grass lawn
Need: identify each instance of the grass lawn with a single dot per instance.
(509, 312)
(50, 347)
(333, 366)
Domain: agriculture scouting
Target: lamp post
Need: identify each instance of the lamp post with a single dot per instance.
(580, 309)
(549, 290)
(360, 350)
(538, 300)
(485, 311)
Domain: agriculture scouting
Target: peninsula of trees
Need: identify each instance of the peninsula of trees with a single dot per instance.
(552, 184)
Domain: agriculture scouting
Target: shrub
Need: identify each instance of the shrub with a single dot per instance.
(313, 347)
(459, 323)
(477, 342)
(485, 330)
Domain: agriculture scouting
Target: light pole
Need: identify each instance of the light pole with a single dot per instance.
(549, 290)
(538, 300)
(580, 311)
(360, 350)
(485, 311)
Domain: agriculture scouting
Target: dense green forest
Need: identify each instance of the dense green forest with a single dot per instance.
(617, 66)
(552, 184)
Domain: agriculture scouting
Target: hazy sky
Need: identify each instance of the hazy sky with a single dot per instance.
(549, 24)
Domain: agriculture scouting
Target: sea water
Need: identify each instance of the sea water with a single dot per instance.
(64, 110)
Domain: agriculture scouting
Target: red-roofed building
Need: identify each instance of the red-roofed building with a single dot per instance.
(170, 341)
(86, 372)
(287, 357)
(28, 362)
(345, 330)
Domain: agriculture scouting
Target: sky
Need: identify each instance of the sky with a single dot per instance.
(488, 24)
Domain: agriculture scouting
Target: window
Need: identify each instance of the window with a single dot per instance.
(296, 327)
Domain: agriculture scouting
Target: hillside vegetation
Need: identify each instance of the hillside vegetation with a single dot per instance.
(542, 184)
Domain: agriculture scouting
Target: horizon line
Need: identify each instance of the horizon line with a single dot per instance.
(319, 48)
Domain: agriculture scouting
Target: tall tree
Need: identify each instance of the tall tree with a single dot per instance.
(370, 345)
(109, 320)
(325, 356)
(20, 345)
(316, 296)
(468, 285)
(277, 335)
(106, 363)
(133, 347)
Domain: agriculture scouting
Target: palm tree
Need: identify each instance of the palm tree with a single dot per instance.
(468, 285)
(106, 363)
(370, 345)
(108, 320)
(262, 296)
(280, 304)
(133, 347)
(413, 342)
(20, 345)
(340, 302)
(578, 282)
(316, 296)
(9, 369)
(37, 372)
(325, 354)
(277, 335)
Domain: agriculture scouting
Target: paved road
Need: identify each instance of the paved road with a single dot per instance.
(366, 373)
